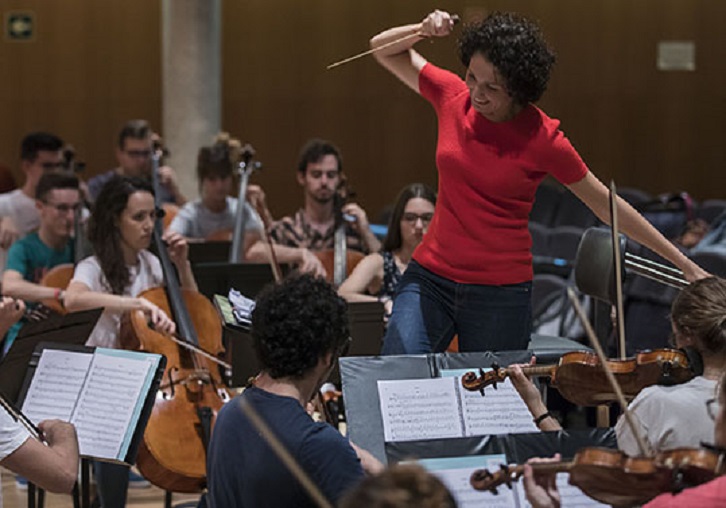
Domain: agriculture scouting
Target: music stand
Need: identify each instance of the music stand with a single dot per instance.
(71, 328)
(209, 252)
(217, 278)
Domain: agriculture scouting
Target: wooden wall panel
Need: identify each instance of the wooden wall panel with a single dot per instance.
(93, 66)
(96, 64)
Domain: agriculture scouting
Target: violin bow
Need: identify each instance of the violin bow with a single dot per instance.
(619, 314)
(645, 449)
(18, 416)
(284, 455)
(455, 18)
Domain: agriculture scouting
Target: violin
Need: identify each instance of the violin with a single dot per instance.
(580, 378)
(172, 454)
(339, 262)
(611, 477)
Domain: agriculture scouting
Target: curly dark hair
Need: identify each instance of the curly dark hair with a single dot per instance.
(699, 311)
(516, 47)
(103, 230)
(393, 238)
(314, 150)
(296, 323)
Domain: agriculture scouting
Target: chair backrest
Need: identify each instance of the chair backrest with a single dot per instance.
(563, 242)
(540, 239)
(546, 288)
(546, 202)
(634, 196)
(573, 212)
(710, 209)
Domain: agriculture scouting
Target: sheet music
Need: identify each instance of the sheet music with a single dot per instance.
(108, 402)
(571, 496)
(500, 411)
(415, 409)
(57, 381)
(455, 473)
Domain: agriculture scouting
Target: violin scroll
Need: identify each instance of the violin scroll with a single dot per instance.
(485, 480)
(471, 382)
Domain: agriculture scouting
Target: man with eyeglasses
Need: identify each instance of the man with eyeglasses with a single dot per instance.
(39, 152)
(134, 159)
(57, 199)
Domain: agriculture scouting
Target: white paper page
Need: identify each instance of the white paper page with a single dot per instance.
(57, 381)
(415, 409)
(107, 403)
(571, 496)
(456, 472)
(500, 411)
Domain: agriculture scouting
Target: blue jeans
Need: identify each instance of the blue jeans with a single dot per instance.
(429, 310)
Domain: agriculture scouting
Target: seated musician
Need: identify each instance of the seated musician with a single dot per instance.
(312, 228)
(133, 154)
(299, 328)
(120, 232)
(53, 467)
(378, 274)
(400, 486)
(39, 152)
(668, 416)
(542, 492)
(57, 198)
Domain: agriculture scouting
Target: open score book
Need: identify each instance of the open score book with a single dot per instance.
(102, 394)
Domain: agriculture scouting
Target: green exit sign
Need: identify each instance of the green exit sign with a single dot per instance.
(19, 26)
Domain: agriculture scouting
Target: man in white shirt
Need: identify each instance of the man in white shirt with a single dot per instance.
(40, 151)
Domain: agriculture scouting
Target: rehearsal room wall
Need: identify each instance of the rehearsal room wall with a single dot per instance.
(95, 64)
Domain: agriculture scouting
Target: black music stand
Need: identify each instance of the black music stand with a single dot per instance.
(72, 328)
(209, 252)
(217, 278)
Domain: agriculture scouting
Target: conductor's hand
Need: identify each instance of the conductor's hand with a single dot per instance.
(158, 318)
(8, 232)
(178, 248)
(437, 24)
(540, 488)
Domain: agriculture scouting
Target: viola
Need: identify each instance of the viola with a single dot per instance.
(172, 454)
(580, 378)
(611, 477)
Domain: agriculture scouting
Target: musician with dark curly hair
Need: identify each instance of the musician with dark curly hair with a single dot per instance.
(299, 329)
(471, 275)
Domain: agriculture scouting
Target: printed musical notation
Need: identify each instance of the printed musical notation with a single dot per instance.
(414, 409)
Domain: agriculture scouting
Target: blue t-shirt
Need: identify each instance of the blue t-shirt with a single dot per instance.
(32, 258)
(244, 472)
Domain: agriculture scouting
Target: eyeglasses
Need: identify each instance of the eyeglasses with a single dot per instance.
(712, 408)
(64, 208)
(413, 217)
(138, 154)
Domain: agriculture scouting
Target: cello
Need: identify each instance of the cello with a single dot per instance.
(172, 454)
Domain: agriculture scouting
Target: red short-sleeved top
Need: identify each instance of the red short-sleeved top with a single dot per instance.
(488, 175)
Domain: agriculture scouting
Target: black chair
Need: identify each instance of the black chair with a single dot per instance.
(634, 196)
(713, 262)
(710, 209)
(573, 212)
(546, 201)
(546, 290)
(563, 242)
(540, 239)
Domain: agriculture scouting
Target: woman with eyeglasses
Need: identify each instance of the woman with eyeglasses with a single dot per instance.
(120, 230)
(378, 274)
(668, 416)
(541, 489)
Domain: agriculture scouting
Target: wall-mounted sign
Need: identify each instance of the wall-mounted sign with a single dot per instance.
(676, 56)
(19, 26)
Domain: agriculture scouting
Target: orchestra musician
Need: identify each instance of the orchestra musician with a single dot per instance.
(472, 273)
(57, 198)
(39, 152)
(667, 416)
(120, 232)
(312, 228)
(542, 492)
(377, 276)
(133, 154)
(299, 329)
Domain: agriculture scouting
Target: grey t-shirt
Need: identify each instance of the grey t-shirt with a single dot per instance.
(194, 220)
